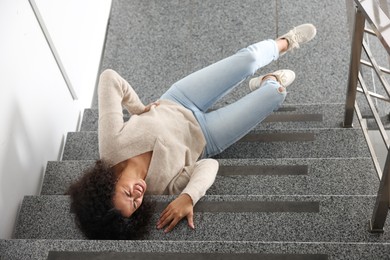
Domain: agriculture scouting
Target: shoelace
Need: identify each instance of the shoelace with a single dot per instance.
(281, 79)
(294, 39)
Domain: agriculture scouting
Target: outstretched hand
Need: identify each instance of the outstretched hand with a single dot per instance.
(178, 209)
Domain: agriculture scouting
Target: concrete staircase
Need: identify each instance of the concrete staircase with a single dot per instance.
(297, 187)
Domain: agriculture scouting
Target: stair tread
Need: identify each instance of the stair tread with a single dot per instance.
(287, 117)
(338, 230)
(278, 218)
(273, 177)
(303, 143)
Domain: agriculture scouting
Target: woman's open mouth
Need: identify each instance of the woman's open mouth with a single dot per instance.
(140, 187)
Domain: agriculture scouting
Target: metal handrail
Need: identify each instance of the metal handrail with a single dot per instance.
(370, 11)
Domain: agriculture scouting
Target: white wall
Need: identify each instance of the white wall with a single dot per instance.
(37, 109)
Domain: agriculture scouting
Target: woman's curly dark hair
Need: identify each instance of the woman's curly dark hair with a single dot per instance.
(92, 203)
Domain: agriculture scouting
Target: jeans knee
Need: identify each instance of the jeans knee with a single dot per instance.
(281, 89)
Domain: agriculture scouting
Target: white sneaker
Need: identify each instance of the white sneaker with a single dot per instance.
(298, 35)
(284, 77)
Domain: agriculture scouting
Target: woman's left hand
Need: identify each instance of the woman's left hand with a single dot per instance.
(178, 209)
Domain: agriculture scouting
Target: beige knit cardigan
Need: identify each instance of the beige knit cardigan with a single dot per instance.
(169, 130)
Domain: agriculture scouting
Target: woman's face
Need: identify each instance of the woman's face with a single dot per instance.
(129, 193)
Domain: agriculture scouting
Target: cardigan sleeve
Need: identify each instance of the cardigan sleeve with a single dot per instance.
(202, 177)
(114, 93)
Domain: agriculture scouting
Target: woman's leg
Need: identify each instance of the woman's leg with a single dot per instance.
(225, 126)
(201, 89)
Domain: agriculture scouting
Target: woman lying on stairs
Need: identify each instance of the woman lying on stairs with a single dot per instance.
(166, 147)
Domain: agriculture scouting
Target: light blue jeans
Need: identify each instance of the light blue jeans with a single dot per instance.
(200, 90)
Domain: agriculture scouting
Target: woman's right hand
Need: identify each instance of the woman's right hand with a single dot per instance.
(148, 107)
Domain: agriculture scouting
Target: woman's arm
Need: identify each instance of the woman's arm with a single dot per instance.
(113, 92)
(202, 178)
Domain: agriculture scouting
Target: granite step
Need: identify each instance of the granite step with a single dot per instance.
(304, 143)
(322, 219)
(18, 249)
(287, 117)
(338, 176)
(215, 31)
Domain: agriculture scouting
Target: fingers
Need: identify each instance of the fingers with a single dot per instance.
(172, 218)
(164, 220)
(172, 225)
(178, 209)
(154, 104)
(148, 107)
(169, 216)
(172, 221)
(190, 219)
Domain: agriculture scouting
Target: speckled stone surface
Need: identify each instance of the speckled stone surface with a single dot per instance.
(324, 177)
(322, 66)
(326, 143)
(154, 43)
(39, 249)
(293, 117)
(334, 143)
(60, 174)
(340, 219)
(152, 51)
